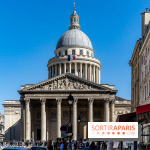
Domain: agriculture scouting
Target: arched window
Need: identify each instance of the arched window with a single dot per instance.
(81, 52)
(59, 53)
(66, 52)
(87, 53)
(73, 52)
(74, 19)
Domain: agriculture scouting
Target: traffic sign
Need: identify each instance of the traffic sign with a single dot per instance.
(64, 128)
(69, 134)
(69, 124)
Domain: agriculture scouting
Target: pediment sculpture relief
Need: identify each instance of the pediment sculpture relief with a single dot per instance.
(63, 84)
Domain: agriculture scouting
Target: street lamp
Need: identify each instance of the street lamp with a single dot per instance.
(79, 120)
(70, 102)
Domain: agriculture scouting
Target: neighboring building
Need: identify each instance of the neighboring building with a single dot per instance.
(140, 70)
(43, 107)
(135, 77)
(2, 121)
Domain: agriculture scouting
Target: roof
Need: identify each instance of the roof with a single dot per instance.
(74, 37)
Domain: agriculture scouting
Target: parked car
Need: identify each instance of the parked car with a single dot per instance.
(38, 148)
(16, 148)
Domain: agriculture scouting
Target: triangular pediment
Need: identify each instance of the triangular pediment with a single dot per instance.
(66, 82)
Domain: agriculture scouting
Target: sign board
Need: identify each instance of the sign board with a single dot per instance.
(64, 128)
(63, 134)
(69, 134)
(113, 130)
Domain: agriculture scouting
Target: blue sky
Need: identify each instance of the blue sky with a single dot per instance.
(30, 29)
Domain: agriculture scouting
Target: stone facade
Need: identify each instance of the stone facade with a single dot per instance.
(2, 122)
(12, 111)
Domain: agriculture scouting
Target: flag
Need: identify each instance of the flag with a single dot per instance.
(71, 57)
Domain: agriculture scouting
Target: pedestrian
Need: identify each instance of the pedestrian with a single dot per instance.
(58, 144)
(109, 145)
(87, 147)
(49, 145)
(81, 145)
(148, 146)
(62, 144)
(92, 146)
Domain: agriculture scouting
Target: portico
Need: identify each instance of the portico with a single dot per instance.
(53, 102)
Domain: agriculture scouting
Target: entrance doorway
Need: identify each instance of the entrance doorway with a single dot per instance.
(38, 134)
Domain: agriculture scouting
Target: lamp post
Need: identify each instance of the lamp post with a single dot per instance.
(79, 120)
(70, 102)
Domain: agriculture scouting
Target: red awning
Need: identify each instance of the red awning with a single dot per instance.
(143, 109)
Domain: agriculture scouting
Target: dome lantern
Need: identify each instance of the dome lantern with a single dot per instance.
(74, 20)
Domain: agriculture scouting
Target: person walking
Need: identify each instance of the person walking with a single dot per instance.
(87, 147)
(49, 145)
(92, 146)
(148, 146)
(109, 145)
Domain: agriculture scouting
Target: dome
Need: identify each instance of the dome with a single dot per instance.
(74, 37)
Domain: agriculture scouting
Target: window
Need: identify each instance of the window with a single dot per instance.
(66, 52)
(59, 53)
(72, 71)
(81, 52)
(87, 53)
(74, 19)
(73, 52)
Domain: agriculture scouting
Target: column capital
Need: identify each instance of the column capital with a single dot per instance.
(43, 100)
(58, 100)
(27, 100)
(75, 100)
(90, 100)
(112, 101)
(106, 100)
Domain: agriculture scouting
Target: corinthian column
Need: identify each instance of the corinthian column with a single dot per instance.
(60, 69)
(93, 73)
(75, 119)
(85, 71)
(28, 119)
(90, 100)
(90, 72)
(112, 110)
(43, 119)
(75, 66)
(58, 100)
(69, 67)
(81, 70)
(106, 110)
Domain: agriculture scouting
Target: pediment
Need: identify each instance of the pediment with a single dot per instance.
(66, 82)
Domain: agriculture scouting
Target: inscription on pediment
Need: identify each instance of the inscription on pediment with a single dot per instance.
(63, 84)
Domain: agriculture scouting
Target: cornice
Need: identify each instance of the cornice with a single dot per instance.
(59, 59)
(72, 47)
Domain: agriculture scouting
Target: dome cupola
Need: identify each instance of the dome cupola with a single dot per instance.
(74, 20)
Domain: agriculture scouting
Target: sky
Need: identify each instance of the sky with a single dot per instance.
(30, 30)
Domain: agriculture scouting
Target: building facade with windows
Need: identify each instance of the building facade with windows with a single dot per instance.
(43, 107)
(140, 70)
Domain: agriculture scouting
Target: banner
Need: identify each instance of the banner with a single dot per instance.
(113, 130)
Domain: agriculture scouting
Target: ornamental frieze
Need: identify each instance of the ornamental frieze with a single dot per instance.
(63, 84)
